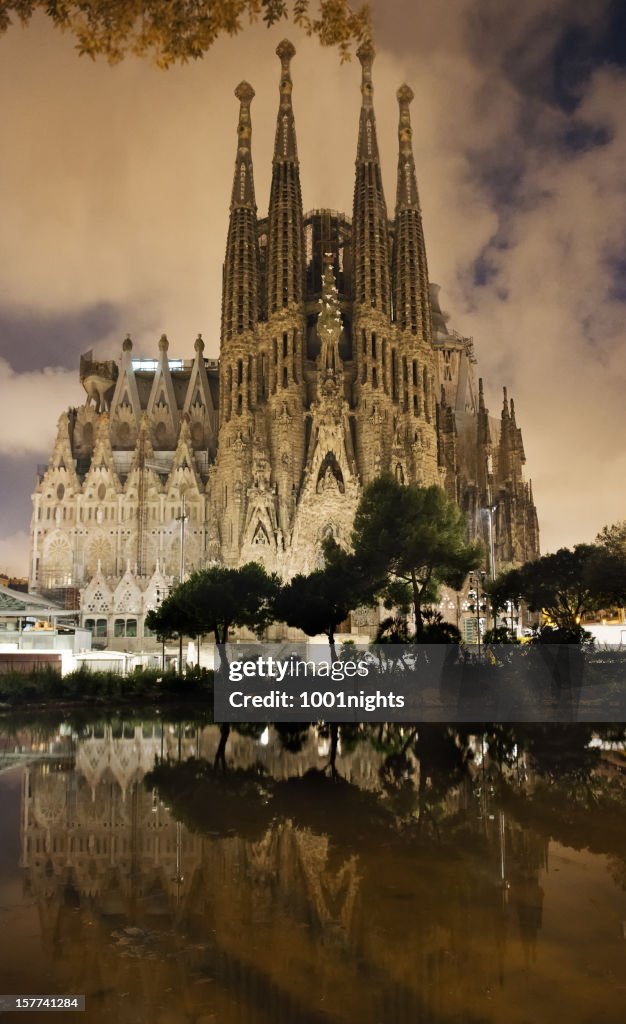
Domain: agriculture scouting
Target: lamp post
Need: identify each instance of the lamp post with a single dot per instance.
(182, 519)
(490, 509)
(475, 579)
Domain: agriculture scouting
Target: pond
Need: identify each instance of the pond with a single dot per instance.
(432, 876)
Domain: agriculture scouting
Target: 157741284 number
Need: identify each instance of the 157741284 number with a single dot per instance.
(42, 1002)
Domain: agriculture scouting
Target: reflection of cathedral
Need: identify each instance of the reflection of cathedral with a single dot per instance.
(336, 363)
(284, 922)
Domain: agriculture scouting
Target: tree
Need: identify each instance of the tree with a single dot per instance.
(319, 602)
(214, 600)
(613, 538)
(174, 618)
(412, 539)
(176, 31)
(567, 586)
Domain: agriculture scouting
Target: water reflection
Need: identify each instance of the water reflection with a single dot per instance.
(433, 877)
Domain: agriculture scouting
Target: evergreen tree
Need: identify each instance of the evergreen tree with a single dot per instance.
(409, 539)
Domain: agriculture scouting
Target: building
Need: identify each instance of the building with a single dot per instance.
(37, 633)
(336, 363)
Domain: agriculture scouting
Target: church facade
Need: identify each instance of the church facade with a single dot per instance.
(336, 364)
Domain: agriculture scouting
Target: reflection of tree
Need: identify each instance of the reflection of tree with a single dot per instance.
(335, 860)
(282, 890)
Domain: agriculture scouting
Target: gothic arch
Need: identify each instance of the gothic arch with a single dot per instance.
(260, 536)
(57, 560)
(99, 549)
(330, 471)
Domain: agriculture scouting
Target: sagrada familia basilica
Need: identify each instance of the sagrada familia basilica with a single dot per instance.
(336, 364)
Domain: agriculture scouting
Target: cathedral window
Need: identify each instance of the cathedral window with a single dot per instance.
(373, 346)
(120, 627)
(447, 368)
(415, 372)
(374, 377)
(98, 627)
(260, 536)
(60, 492)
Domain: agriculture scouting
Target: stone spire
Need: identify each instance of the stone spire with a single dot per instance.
(285, 258)
(241, 267)
(482, 419)
(505, 446)
(329, 321)
(516, 433)
(370, 230)
(411, 291)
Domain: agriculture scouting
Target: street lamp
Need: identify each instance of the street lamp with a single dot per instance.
(182, 519)
(475, 580)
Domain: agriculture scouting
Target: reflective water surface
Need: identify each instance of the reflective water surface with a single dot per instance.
(172, 873)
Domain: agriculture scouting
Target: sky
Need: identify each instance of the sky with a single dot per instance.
(115, 185)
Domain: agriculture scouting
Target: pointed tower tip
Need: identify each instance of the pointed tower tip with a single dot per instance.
(405, 95)
(286, 51)
(366, 54)
(244, 93)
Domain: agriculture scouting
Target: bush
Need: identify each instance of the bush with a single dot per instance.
(83, 684)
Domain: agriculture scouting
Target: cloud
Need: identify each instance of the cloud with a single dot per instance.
(14, 553)
(525, 220)
(30, 407)
(115, 182)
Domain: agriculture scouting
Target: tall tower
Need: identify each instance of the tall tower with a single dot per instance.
(239, 343)
(372, 291)
(414, 359)
(282, 383)
(336, 365)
